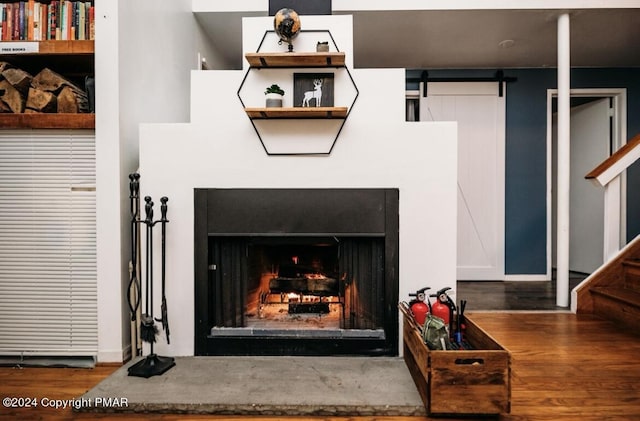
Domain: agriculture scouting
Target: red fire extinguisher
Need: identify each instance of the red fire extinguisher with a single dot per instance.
(419, 306)
(443, 307)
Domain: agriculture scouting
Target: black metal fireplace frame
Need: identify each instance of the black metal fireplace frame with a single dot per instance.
(320, 212)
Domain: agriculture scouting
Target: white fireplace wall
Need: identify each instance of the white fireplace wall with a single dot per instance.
(376, 149)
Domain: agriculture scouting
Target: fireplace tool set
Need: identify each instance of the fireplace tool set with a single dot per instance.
(144, 324)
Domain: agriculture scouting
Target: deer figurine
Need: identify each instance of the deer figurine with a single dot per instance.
(315, 94)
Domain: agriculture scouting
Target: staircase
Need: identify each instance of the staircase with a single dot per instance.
(613, 291)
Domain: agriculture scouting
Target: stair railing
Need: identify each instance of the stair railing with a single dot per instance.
(607, 174)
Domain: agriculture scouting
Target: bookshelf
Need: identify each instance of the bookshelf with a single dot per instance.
(41, 20)
(55, 35)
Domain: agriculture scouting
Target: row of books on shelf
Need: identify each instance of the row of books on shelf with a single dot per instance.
(54, 20)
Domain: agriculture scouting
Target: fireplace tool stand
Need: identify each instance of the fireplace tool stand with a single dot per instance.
(153, 364)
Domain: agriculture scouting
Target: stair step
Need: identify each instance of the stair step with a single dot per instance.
(632, 274)
(625, 295)
(621, 305)
(632, 262)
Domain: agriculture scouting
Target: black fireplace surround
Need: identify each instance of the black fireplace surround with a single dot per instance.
(237, 229)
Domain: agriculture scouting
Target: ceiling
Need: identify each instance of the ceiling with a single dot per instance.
(433, 39)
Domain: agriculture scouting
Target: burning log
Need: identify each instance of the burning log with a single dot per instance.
(299, 308)
(305, 285)
(303, 280)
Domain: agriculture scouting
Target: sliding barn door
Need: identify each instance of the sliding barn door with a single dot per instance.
(480, 113)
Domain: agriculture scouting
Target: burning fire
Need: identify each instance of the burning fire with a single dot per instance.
(293, 297)
(314, 276)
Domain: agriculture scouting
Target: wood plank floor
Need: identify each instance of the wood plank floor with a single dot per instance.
(512, 295)
(564, 367)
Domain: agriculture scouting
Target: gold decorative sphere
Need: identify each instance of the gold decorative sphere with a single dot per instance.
(286, 23)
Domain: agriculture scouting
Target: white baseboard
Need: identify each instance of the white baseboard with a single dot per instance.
(115, 356)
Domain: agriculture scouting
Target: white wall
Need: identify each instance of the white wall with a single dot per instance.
(108, 211)
(145, 51)
(376, 149)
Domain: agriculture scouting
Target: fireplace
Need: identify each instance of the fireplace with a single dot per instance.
(296, 271)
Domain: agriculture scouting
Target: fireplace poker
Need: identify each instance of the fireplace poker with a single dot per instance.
(163, 223)
(134, 294)
(148, 329)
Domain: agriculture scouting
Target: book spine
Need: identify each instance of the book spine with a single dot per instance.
(63, 20)
(64, 24)
(72, 20)
(76, 19)
(92, 23)
(2, 21)
(16, 22)
(44, 28)
(30, 21)
(55, 19)
(35, 18)
(21, 21)
(58, 20)
(87, 29)
(81, 23)
(9, 21)
(69, 19)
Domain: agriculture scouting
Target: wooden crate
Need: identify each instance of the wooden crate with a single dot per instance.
(459, 382)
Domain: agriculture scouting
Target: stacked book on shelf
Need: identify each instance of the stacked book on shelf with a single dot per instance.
(33, 20)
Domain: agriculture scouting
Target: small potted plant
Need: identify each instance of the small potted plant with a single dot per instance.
(274, 96)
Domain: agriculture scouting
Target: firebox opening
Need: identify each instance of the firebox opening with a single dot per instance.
(293, 284)
(296, 271)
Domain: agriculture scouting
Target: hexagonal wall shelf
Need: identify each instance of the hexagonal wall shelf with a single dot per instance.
(319, 94)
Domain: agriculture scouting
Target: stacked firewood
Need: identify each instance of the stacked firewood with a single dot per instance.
(46, 92)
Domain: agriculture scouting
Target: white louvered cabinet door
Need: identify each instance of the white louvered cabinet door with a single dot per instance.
(48, 288)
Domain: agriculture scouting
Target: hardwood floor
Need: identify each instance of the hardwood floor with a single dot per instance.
(512, 295)
(564, 367)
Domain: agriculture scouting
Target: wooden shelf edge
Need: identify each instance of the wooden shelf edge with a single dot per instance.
(296, 112)
(310, 59)
(57, 47)
(47, 121)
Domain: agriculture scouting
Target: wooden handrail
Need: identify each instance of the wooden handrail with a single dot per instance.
(616, 163)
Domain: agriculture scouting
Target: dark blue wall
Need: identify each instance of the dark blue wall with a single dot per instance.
(526, 165)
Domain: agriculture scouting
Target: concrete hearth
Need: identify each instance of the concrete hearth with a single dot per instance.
(331, 386)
